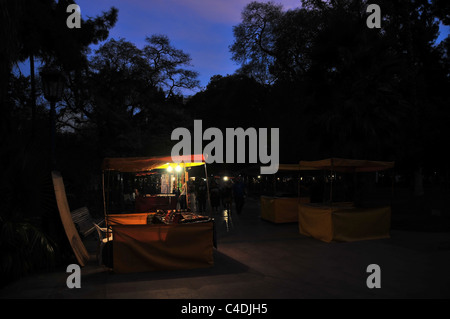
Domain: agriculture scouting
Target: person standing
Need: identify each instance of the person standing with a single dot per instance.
(239, 194)
(201, 196)
(183, 204)
(227, 195)
(215, 195)
(191, 196)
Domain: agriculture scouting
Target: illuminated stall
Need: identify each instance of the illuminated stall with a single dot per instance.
(283, 209)
(343, 221)
(150, 229)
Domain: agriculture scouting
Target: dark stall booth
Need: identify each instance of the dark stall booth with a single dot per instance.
(344, 221)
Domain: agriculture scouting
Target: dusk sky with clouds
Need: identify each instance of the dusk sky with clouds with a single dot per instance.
(201, 28)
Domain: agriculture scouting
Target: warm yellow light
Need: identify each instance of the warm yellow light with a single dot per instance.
(169, 168)
(225, 178)
(178, 168)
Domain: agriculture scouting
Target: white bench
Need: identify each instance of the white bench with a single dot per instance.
(84, 221)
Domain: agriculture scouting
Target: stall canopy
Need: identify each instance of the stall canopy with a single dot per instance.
(142, 164)
(346, 165)
(289, 167)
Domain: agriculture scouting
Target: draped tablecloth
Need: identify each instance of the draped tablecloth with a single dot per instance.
(343, 222)
(281, 209)
(127, 219)
(140, 248)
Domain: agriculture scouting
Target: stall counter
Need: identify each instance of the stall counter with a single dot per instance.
(343, 222)
(281, 209)
(141, 248)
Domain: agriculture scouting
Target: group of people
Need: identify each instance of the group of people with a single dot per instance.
(194, 195)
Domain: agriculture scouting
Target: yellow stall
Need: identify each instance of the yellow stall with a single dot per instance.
(282, 209)
(344, 221)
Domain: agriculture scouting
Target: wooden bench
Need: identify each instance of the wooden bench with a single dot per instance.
(84, 221)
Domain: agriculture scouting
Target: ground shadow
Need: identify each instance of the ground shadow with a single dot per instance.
(223, 265)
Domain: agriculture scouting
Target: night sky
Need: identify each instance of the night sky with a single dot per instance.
(202, 28)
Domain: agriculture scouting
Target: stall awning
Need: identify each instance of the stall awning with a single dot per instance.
(346, 165)
(288, 167)
(141, 164)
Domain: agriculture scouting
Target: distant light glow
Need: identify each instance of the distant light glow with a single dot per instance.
(169, 168)
(225, 178)
(178, 168)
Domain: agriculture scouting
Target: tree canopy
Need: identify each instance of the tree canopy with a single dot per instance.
(354, 91)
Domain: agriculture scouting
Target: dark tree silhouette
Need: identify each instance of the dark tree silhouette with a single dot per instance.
(348, 90)
(168, 66)
(30, 236)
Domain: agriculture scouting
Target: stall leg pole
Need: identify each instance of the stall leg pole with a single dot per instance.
(185, 183)
(104, 198)
(331, 188)
(392, 186)
(298, 190)
(274, 185)
(207, 191)
(105, 214)
(331, 182)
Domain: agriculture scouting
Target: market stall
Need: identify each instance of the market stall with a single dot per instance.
(344, 221)
(283, 208)
(156, 234)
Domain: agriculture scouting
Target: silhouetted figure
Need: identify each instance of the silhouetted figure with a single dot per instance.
(239, 194)
(215, 195)
(228, 195)
(201, 196)
(192, 201)
(183, 203)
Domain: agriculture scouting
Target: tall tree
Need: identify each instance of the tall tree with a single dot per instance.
(131, 95)
(255, 38)
(359, 92)
(236, 100)
(37, 29)
(168, 66)
(44, 35)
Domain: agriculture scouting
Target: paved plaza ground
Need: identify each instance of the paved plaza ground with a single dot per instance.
(256, 259)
